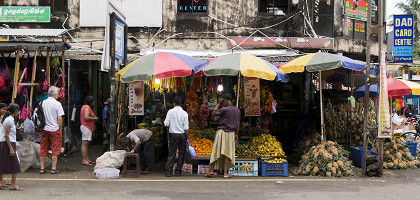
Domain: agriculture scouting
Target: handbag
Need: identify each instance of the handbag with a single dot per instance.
(19, 88)
(4, 69)
(25, 112)
(61, 93)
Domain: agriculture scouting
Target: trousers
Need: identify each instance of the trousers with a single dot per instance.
(147, 154)
(176, 142)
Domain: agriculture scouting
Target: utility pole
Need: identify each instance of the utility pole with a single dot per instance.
(378, 30)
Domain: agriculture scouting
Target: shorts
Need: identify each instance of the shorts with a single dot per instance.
(51, 140)
(86, 133)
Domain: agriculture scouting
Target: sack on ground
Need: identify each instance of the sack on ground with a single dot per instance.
(110, 159)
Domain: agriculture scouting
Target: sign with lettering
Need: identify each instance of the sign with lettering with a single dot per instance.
(384, 116)
(119, 40)
(24, 14)
(252, 96)
(403, 38)
(279, 42)
(357, 9)
(136, 98)
(192, 6)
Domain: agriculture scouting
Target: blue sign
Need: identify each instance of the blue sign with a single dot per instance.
(403, 38)
(119, 40)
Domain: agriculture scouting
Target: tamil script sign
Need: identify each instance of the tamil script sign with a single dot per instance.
(279, 42)
(403, 38)
(24, 14)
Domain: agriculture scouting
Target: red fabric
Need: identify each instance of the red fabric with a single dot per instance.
(401, 103)
(397, 87)
(2, 82)
(168, 65)
(53, 140)
(88, 123)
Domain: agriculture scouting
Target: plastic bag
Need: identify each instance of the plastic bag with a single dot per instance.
(110, 159)
(192, 151)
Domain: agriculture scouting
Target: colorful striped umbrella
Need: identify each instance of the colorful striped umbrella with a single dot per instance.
(396, 88)
(320, 61)
(248, 65)
(160, 65)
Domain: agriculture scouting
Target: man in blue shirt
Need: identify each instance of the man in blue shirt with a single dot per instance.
(106, 114)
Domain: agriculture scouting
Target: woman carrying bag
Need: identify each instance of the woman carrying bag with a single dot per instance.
(9, 163)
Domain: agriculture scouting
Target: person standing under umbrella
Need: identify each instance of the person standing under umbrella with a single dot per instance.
(223, 152)
(9, 162)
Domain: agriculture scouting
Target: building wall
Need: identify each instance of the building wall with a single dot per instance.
(197, 32)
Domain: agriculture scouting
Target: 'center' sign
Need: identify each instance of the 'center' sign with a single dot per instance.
(403, 38)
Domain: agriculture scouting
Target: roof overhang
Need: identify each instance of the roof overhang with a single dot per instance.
(33, 32)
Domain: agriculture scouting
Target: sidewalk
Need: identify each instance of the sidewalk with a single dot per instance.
(71, 168)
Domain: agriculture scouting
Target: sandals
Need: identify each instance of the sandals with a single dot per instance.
(17, 188)
(227, 176)
(42, 171)
(88, 164)
(55, 171)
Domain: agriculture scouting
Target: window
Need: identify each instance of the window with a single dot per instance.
(57, 6)
(192, 6)
(323, 17)
(273, 7)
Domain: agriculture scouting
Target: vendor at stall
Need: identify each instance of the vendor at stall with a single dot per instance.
(144, 145)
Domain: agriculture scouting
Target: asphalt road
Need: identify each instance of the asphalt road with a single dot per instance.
(79, 182)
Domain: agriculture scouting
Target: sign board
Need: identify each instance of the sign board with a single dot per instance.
(24, 14)
(4, 38)
(384, 116)
(136, 98)
(280, 42)
(357, 9)
(212, 99)
(119, 40)
(192, 6)
(403, 38)
(252, 97)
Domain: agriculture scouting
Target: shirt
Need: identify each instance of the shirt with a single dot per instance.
(229, 118)
(106, 115)
(90, 124)
(177, 120)
(52, 110)
(141, 135)
(9, 121)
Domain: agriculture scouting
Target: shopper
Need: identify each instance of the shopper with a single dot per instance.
(87, 121)
(177, 121)
(106, 115)
(52, 133)
(145, 146)
(223, 152)
(3, 109)
(9, 162)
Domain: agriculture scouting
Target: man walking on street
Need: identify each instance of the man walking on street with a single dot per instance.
(52, 133)
(223, 152)
(177, 120)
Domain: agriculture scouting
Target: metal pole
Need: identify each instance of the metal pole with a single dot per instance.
(238, 89)
(321, 107)
(113, 113)
(380, 40)
(367, 85)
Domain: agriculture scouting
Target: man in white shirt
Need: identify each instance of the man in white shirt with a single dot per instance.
(52, 133)
(177, 121)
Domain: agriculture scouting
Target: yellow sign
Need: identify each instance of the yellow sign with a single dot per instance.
(4, 38)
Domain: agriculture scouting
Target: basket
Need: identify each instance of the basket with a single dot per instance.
(186, 169)
(274, 169)
(356, 155)
(107, 173)
(412, 147)
(202, 169)
(244, 168)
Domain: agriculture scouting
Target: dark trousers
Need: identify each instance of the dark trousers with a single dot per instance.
(176, 142)
(147, 154)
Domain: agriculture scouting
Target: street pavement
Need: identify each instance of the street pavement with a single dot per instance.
(79, 182)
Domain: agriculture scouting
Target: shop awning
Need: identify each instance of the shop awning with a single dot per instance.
(33, 32)
(30, 46)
